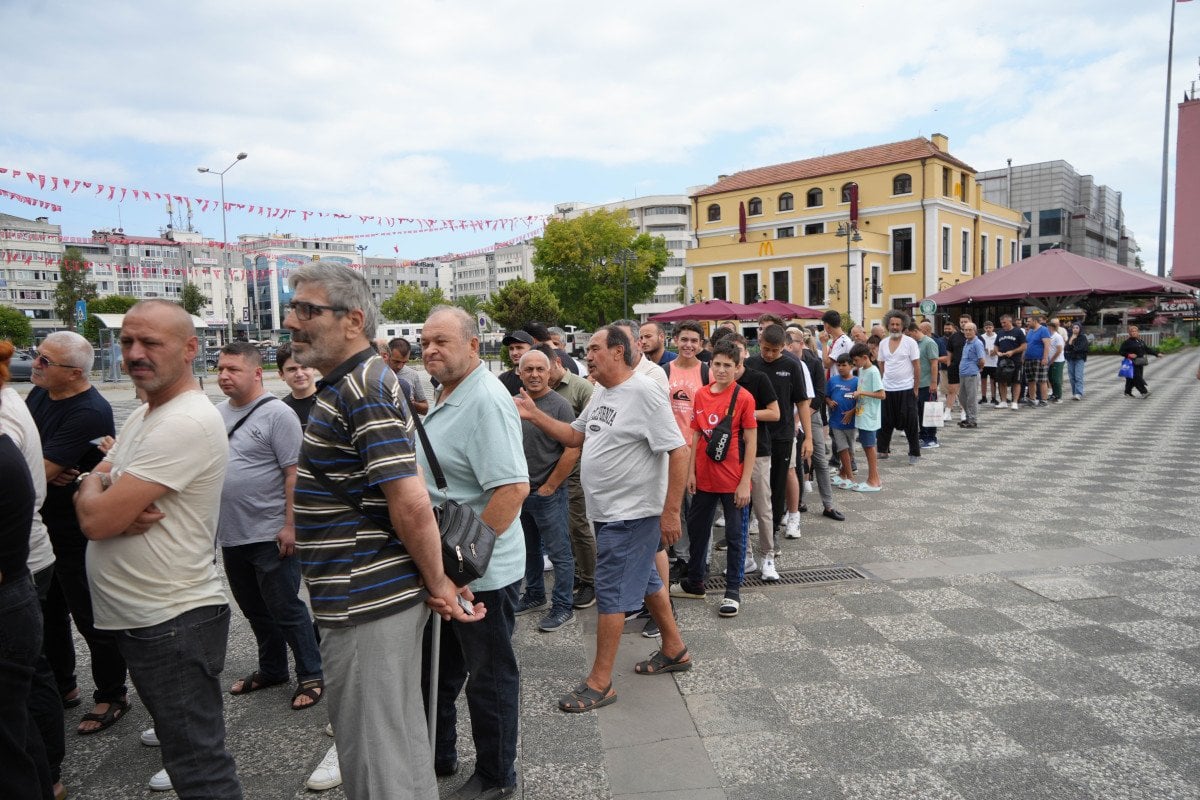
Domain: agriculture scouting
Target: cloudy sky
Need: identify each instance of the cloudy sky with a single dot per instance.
(485, 109)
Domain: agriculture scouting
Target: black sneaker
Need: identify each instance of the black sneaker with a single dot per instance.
(641, 612)
(527, 606)
(650, 629)
(556, 619)
(584, 596)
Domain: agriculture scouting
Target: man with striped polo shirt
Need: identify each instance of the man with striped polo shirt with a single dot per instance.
(367, 583)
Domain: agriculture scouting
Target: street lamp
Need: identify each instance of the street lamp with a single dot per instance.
(622, 257)
(362, 254)
(225, 242)
(849, 230)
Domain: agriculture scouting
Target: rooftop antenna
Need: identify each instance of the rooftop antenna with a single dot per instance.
(170, 215)
(189, 225)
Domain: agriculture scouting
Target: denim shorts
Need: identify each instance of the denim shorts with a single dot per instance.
(867, 438)
(625, 571)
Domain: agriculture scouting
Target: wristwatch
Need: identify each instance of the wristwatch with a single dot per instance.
(105, 479)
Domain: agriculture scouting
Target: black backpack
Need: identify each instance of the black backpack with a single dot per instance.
(722, 434)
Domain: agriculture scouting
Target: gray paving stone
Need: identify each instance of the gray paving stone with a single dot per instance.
(861, 746)
(952, 737)
(1094, 640)
(1010, 778)
(901, 784)
(1110, 609)
(671, 764)
(1123, 771)
(1051, 726)
(911, 694)
(942, 655)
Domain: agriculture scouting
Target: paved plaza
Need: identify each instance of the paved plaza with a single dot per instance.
(1028, 627)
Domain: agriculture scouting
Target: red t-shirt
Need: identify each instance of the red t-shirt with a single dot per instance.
(708, 410)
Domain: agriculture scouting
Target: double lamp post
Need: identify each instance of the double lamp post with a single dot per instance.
(225, 246)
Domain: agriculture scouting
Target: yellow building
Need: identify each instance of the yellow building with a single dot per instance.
(785, 231)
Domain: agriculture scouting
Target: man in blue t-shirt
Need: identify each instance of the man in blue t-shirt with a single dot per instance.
(1037, 362)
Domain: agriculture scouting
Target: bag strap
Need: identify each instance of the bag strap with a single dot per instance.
(340, 493)
(438, 477)
(253, 408)
(728, 414)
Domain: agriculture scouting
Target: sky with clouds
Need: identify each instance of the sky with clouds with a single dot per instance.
(483, 109)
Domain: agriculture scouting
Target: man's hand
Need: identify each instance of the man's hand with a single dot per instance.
(671, 530)
(545, 490)
(526, 407)
(806, 448)
(741, 496)
(66, 477)
(144, 521)
(443, 601)
(287, 541)
(691, 481)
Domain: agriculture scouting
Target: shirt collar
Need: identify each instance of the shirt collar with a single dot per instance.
(346, 367)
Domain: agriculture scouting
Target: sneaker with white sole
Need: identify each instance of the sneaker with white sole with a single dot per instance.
(556, 619)
(792, 531)
(684, 589)
(1014, 406)
(149, 738)
(729, 607)
(753, 526)
(547, 566)
(160, 781)
(769, 573)
(328, 773)
(808, 487)
(329, 729)
(749, 565)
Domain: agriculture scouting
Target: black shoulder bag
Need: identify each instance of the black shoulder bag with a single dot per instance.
(722, 434)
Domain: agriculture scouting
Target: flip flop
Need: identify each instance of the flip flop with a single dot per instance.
(255, 681)
(312, 689)
(116, 710)
(659, 662)
(584, 698)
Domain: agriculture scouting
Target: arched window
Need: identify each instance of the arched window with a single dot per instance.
(902, 184)
(786, 202)
(846, 191)
(815, 198)
(714, 213)
(754, 207)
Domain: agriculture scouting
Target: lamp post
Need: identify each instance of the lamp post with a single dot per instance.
(225, 242)
(850, 231)
(362, 254)
(622, 257)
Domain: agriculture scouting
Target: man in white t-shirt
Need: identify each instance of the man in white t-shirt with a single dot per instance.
(150, 514)
(988, 337)
(1058, 359)
(899, 360)
(833, 341)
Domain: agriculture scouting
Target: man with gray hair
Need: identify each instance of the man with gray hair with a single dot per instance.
(368, 564)
(70, 415)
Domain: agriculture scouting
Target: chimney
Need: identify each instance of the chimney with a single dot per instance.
(721, 178)
(941, 141)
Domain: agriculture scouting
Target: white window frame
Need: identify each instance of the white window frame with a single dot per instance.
(892, 298)
(983, 252)
(781, 227)
(788, 272)
(876, 270)
(965, 256)
(809, 301)
(712, 279)
(999, 251)
(757, 273)
(947, 247)
(806, 224)
(912, 228)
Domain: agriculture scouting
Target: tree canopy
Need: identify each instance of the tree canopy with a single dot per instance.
(192, 299)
(112, 304)
(521, 301)
(15, 327)
(73, 285)
(589, 262)
(411, 304)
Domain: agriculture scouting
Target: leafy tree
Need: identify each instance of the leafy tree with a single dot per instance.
(15, 327)
(471, 304)
(73, 285)
(192, 299)
(112, 304)
(411, 304)
(590, 262)
(521, 301)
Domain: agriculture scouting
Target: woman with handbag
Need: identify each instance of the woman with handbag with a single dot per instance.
(1137, 351)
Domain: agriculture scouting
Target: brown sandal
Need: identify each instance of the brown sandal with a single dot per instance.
(313, 689)
(585, 698)
(660, 662)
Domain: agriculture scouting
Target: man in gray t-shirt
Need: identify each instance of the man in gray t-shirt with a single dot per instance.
(256, 529)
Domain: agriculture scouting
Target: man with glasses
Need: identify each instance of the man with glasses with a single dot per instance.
(71, 415)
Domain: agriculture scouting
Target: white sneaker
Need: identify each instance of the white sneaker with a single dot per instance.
(962, 417)
(749, 565)
(149, 738)
(328, 773)
(753, 526)
(720, 520)
(768, 570)
(1014, 407)
(546, 565)
(792, 531)
(160, 781)
(329, 729)
(808, 487)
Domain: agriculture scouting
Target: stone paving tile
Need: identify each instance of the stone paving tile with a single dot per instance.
(736, 711)
(1142, 715)
(811, 703)
(743, 758)
(993, 686)
(1123, 772)
(871, 661)
(1024, 778)
(951, 737)
(902, 784)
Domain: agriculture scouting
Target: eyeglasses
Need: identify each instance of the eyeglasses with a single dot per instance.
(306, 311)
(41, 361)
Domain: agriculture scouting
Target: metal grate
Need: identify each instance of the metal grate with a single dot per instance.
(792, 577)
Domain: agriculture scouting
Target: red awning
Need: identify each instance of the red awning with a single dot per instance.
(708, 310)
(785, 310)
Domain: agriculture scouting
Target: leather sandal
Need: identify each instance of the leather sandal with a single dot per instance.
(660, 662)
(585, 698)
(313, 689)
(116, 710)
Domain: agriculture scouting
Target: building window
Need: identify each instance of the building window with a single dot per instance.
(963, 186)
(714, 213)
(750, 287)
(846, 191)
(813, 228)
(999, 252)
(947, 182)
(1012, 256)
(816, 286)
(1026, 251)
(786, 201)
(785, 233)
(966, 253)
(902, 184)
(902, 250)
(815, 198)
(719, 291)
(983, 253)
(1050, 222)
(754, 207)
(875, 290)
(903, 303)
(945, 248)
(780, 285)
(1044, 246)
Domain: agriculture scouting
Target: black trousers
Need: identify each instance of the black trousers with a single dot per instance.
(899, 412)
(781, 454)
(1137, 381)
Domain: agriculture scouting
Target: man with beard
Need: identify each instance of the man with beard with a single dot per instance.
(900, 360)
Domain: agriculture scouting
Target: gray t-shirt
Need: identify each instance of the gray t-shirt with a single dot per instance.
(253, 500)
(541, 451)
(628, 431)
(409, 378)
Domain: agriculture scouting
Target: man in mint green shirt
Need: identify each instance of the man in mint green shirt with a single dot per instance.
(927, 382)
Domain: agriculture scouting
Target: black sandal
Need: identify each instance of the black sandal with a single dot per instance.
(116, 710)
(585, 698)
(313, 689)
(255, 681)
(659, 662)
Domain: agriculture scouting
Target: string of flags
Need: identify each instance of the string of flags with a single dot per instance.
(31, 201)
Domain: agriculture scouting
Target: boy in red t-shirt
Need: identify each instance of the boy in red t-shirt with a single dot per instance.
(726, 482)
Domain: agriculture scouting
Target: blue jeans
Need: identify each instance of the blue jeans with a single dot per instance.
(1075, 373)
(266, 588)
(25, 774)
(544, 520)
(175, 667)
(699, 523)
(480, 654)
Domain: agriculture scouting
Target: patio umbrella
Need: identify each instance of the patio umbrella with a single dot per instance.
(785, 310)
(708, 310)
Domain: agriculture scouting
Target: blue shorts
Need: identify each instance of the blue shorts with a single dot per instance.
(625, 571)
(867, 438)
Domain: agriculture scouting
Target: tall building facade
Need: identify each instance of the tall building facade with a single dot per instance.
(30, 251)
(1186, 252)
(860, 232)
(1062, 209)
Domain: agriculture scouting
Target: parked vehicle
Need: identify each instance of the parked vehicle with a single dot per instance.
(20, 366)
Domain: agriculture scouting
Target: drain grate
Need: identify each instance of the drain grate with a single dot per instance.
(791, 577)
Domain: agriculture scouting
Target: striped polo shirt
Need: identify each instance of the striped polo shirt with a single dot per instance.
(360, 435)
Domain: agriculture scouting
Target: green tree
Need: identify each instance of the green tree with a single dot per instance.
(521, 301)
(472, 304)
(112, 304)
(15, 327)
(73, 285)
(192, 299)
(592, 262)
(411, 304)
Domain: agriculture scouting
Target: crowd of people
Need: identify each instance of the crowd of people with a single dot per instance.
(613, 483)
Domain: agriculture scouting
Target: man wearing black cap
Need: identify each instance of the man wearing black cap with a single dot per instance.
(519, 343)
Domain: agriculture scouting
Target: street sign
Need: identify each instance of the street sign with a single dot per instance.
(80, 312)
(928, 308)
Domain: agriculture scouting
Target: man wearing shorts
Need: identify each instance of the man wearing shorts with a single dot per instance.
(634, 467)
(1036, 365)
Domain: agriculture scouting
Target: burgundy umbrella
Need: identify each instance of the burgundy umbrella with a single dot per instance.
(708, 310)
(785, 310)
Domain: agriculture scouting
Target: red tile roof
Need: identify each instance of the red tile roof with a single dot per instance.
(877, 156)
